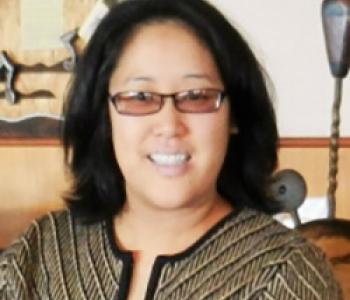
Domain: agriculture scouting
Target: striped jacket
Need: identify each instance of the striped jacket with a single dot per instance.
(247, 255)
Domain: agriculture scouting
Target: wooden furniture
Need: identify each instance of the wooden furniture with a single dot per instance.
(333, 237)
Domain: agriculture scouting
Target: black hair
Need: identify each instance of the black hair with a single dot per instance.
(98, 191)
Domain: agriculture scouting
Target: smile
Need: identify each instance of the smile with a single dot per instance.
(167, 159)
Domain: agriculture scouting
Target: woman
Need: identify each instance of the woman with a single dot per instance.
(171, 139)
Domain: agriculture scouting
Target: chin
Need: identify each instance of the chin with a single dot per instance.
(172, 200)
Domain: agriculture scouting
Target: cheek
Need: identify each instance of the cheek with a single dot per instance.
(217, 146)
(215, 132)
(212, 137)
(125, 147)
(126, 137)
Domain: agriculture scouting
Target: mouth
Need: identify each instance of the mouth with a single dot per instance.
(169, 159)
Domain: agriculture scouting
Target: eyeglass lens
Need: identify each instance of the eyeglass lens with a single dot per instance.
(193, 101)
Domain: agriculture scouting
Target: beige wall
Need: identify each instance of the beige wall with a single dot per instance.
(287, 37)
(32, 180)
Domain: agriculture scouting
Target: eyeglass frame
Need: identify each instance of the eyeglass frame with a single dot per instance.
(221, 94)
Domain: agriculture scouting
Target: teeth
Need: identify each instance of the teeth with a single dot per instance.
(169, 159)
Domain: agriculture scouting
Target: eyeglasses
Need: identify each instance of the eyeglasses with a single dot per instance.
(138, 103)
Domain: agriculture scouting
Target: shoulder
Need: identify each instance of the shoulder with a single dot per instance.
(39, 231)
(268, 236)
(289, 266)
(303, 271)
(49, 233)
(261, 229)
(249, 255)
(20, 257)
(47, 242)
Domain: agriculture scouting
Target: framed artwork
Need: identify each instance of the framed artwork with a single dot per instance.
(39, 49)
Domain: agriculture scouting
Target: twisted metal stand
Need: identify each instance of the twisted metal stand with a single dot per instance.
(333, 150)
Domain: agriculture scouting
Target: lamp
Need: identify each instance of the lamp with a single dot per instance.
(336, 27)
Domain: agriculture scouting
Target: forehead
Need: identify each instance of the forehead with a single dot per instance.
(165, 37)
(174, 27)
(168, 48)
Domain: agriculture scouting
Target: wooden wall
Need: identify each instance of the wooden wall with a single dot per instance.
(313, 164)
(74, 14)
(33, 179)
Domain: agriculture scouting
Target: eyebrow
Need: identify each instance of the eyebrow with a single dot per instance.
(198, 76)
(187, 76)
(139, 78)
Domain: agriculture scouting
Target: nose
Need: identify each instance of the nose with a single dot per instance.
(169, 121)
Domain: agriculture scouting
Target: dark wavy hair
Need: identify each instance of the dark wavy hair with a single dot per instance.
(98, 190)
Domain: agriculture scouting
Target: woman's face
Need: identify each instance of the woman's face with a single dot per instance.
(169, 159)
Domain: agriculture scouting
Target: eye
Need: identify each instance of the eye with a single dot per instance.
(139, 96)
(195, 95)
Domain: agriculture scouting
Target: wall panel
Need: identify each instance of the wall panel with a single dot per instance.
(33, 179)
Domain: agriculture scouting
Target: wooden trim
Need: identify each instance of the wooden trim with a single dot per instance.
(31, 128)
(8, 142)
(294, 142)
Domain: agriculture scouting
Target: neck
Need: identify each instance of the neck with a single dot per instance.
(166, 232)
